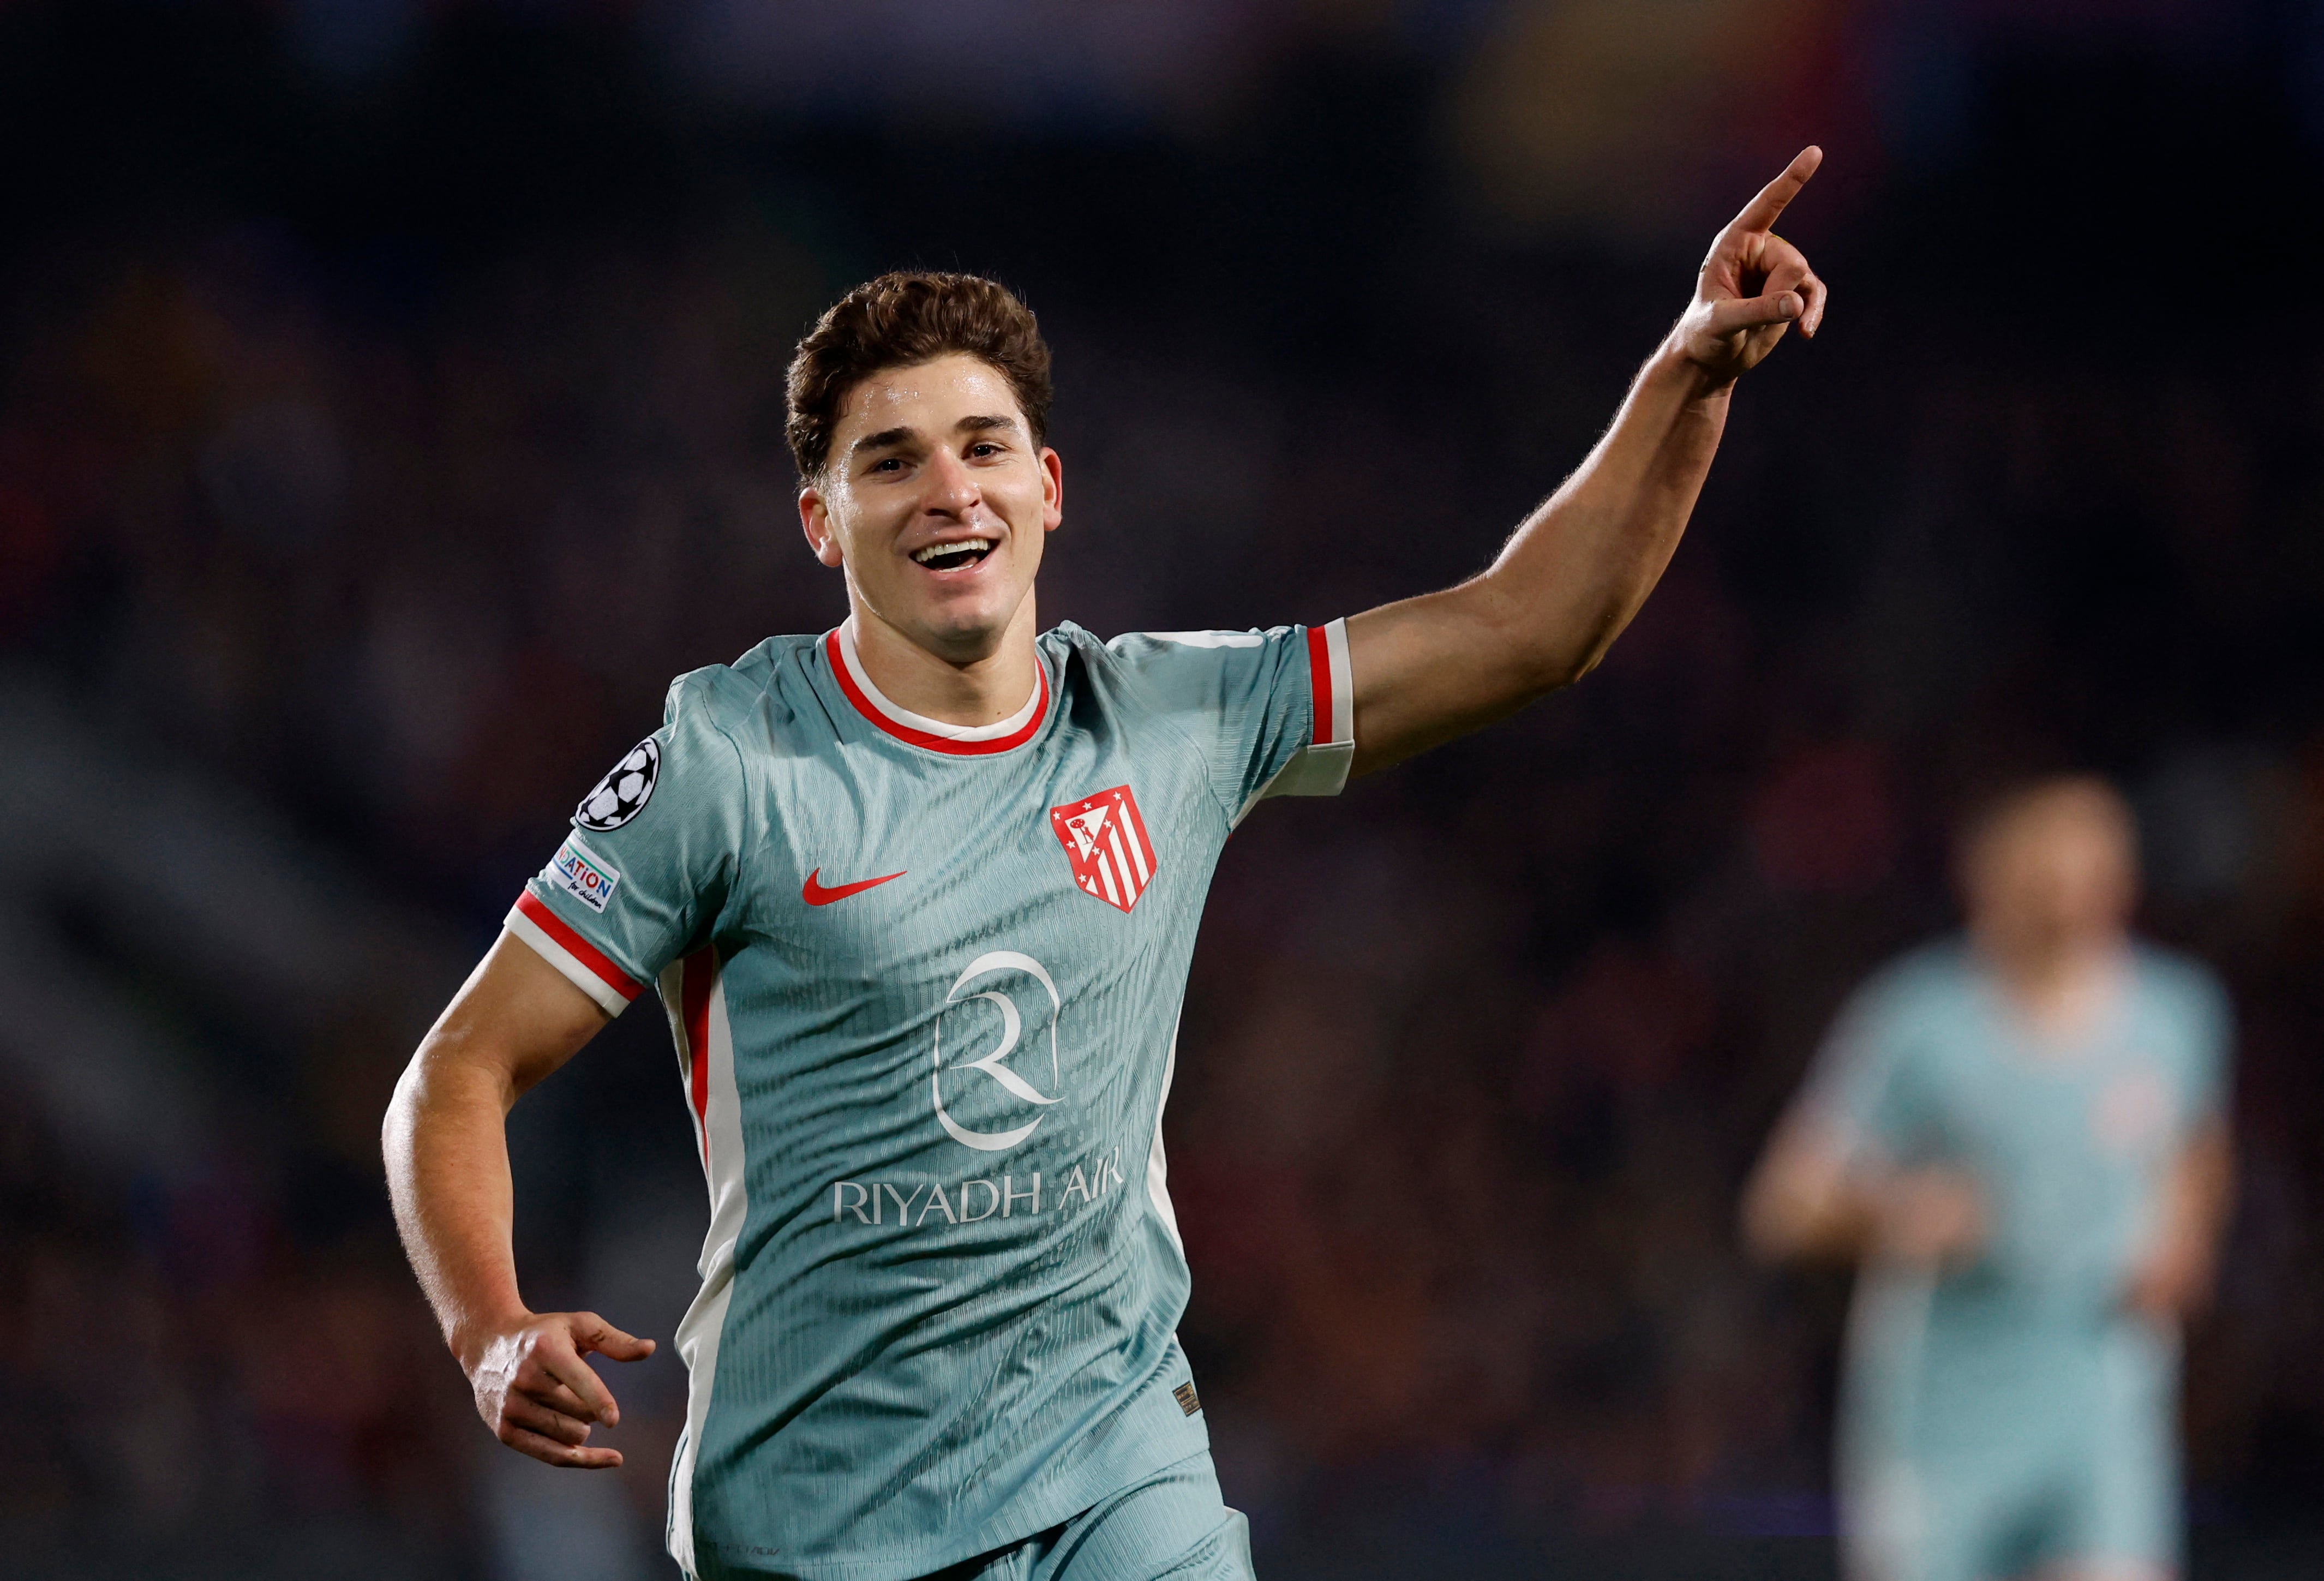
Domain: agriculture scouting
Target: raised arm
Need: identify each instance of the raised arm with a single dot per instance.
(1432, 667)
(514, 1020)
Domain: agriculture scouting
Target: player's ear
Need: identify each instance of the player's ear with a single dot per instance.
(815, 520)
(1052, 490)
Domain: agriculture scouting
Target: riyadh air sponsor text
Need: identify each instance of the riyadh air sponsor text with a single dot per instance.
(913, 1204)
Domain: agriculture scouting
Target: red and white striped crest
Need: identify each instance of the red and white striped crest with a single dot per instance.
(1105, 841)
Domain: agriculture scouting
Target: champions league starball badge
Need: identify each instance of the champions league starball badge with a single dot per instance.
(622, 794)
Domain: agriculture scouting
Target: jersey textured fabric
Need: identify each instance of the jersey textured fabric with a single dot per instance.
(923, 981)
(1172, 1526)
(2013, 1412)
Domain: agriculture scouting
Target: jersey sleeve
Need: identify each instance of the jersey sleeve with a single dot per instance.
(1863, 1085)
(1273, 711)
(2207, 1079)
(649, 863)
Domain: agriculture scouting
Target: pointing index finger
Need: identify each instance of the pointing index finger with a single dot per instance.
(1760, 213)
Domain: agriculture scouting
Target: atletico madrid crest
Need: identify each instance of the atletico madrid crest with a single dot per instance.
(1105, 841)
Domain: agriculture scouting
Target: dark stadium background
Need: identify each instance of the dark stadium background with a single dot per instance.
(390, 403)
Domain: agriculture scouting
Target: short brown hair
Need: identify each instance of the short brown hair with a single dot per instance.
(900, 319)
(2000, 805)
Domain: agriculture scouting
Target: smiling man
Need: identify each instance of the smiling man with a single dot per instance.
(920, 896)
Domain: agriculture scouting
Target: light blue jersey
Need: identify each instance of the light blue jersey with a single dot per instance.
(925, 983)
(2013, 1413)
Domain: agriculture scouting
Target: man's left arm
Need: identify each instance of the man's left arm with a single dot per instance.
(1429, 668)
(2175, 1277)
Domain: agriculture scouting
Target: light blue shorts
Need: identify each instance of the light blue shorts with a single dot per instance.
(1173, 1525)
(2042, 1456)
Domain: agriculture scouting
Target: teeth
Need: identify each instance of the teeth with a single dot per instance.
(958, 546)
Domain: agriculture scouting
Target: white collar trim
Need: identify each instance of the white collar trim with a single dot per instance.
(921, 722)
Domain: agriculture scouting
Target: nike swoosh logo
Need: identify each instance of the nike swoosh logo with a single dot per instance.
(815, 894)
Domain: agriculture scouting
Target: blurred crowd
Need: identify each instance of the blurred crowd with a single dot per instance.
(401, 553)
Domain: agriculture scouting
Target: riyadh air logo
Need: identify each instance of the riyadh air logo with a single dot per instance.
(1104, 838)
(993, 1068)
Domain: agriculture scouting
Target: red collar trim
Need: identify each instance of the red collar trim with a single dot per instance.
(870, 706)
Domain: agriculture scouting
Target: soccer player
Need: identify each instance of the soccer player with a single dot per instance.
(2020, 1136)
(920, 895)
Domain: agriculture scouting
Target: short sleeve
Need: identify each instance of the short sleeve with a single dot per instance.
(2210, 1037)
(1862, 1084)
(1273, 711)
(649, 863)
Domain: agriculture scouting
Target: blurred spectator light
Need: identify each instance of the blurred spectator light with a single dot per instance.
(277, 475)
(1826, 822)
(346, 42)
(2206, 820)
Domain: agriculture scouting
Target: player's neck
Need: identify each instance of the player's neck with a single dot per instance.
(2061, 987)
(980, 691)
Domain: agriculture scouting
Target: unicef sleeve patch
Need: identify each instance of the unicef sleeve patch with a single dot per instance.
(581, 873)
(622, 794)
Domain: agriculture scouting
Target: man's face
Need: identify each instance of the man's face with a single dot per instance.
(2059, 871)
(936, 501)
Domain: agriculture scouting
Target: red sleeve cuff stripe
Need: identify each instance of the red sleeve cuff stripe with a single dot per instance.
(1332, 685)
(1318, 671)
(562, 933)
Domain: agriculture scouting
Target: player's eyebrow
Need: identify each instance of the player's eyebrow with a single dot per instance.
(980, 423)
(882, 439)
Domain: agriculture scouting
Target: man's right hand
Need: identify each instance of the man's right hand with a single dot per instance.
(537, 1395)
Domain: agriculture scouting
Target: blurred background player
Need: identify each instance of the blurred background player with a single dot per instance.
(2020, 1137)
